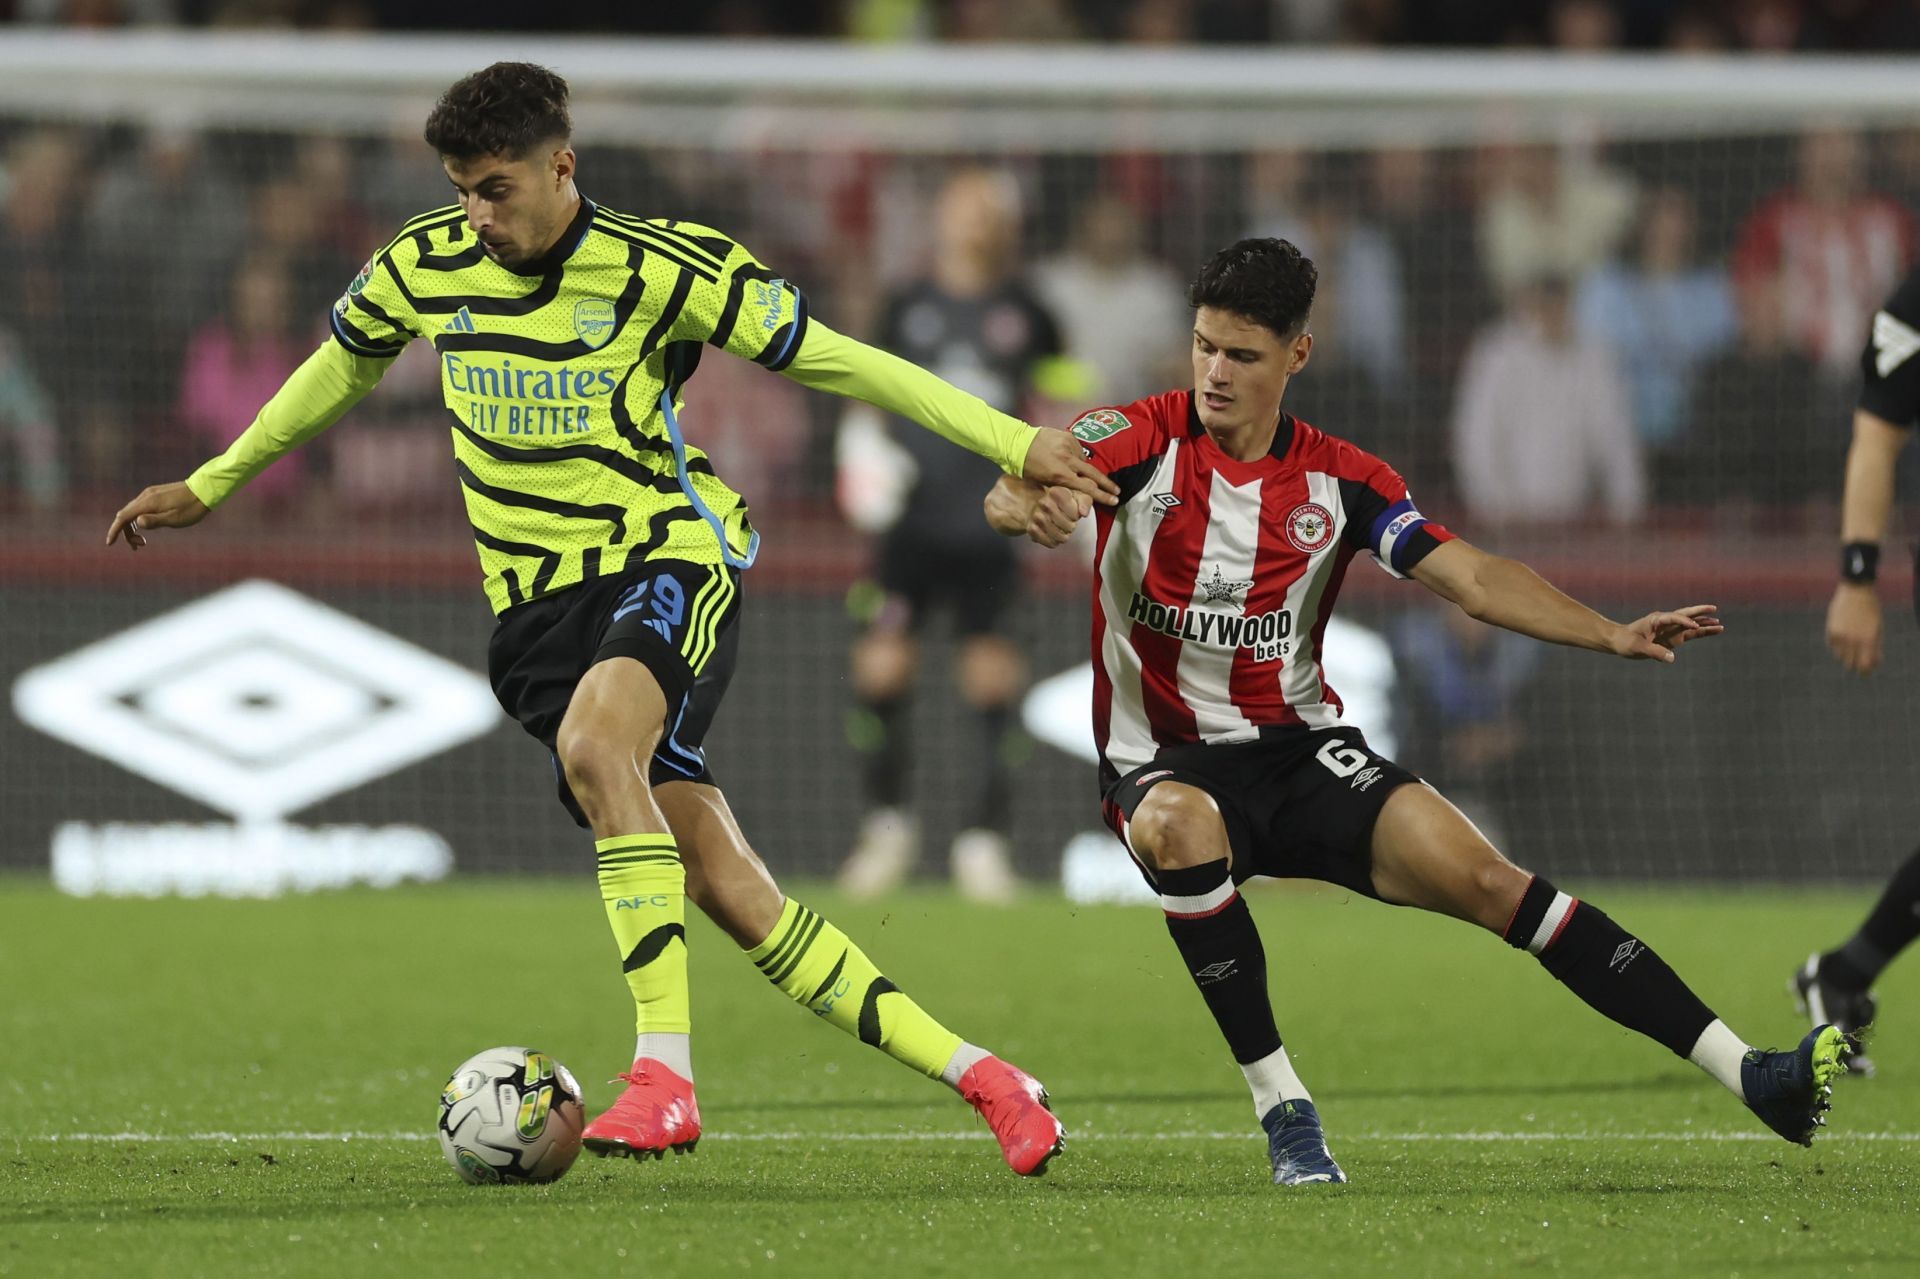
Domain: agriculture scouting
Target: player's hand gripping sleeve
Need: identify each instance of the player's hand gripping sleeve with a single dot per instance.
(332, 380)
(830, 361)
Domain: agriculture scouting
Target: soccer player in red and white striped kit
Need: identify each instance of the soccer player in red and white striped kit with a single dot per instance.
(1222, 751)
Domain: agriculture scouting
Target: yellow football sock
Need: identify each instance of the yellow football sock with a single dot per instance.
(644, 888)
(815, 964)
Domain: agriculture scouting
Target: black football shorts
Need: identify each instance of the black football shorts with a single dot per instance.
(917, 579)
(1298, 803)
(678, 619)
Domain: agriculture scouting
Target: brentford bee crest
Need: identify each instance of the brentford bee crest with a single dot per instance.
(1309, 527)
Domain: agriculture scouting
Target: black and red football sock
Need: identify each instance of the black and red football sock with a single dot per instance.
(1619, 976)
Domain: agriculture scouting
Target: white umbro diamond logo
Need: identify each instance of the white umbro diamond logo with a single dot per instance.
(256, 701)
(1894, 343)
(1624, 953)
(1215, 972)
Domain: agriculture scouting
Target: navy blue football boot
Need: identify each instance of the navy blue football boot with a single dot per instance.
(1792, 1090)
(1298, 1145)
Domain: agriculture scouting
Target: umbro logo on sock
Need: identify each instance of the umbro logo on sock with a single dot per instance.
(1215, 972)
(1625, 953)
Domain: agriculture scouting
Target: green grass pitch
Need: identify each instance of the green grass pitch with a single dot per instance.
(169, 1065)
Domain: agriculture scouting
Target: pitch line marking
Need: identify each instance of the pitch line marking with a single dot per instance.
(1081, 1136)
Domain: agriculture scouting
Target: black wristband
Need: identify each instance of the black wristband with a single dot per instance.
(1859, 562)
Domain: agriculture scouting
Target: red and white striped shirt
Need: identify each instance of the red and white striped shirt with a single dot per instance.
(1214, 578)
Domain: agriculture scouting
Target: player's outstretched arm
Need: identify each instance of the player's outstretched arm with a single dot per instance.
(830, 361)
(1047, 515)
(158, 506)
(332, 380)
(1506, 593)
(1854, 622)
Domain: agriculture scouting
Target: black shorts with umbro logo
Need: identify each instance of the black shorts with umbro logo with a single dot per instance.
(1297, 803)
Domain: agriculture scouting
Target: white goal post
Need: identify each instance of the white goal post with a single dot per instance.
(939, 97)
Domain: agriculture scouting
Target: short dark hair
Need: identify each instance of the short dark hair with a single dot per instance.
(1268, 281)
(505, 109)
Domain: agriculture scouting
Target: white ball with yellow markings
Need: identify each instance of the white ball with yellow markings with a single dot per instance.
(511, 1115)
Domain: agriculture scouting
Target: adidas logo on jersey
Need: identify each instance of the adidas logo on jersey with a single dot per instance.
(462, 322)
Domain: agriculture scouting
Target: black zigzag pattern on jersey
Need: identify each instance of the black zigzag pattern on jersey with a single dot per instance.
(718, 245)
(663, 323)
(548, 566)
(614, 515)
(428, 260)
(627, 468)
(508, 344)
(359, 343)
(373, 311)
(671, 253)
(639, 441)
(780, 349)
(432, 220)
(476, 303)
(660, 528)
(650, 947)
(785, 342)
(712, 249)
(679, 362)
(870, 1011)
(736, 293)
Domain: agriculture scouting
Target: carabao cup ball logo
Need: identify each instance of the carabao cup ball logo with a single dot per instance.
(1310, 527)
(593, 321)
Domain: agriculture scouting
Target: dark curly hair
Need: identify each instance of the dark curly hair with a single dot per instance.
(505, 109)
(1268, 281)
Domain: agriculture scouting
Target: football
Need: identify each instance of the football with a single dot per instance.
(511, 1115)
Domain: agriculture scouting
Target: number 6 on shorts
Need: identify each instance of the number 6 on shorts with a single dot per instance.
(1341, 761)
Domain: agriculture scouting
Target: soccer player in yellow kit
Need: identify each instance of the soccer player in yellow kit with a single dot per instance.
(612, 552)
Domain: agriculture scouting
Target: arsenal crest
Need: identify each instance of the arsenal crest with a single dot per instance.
(593, 321)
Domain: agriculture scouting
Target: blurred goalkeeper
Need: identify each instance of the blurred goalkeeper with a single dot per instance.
(972, 320)
(1222, 752)
(612, 552)
(1836, 986)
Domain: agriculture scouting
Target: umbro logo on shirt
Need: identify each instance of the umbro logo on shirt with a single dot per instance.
(1164, 502)
(462, 322)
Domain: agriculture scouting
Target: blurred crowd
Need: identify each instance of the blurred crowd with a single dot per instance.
(1691, 25)
(1531, 332)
